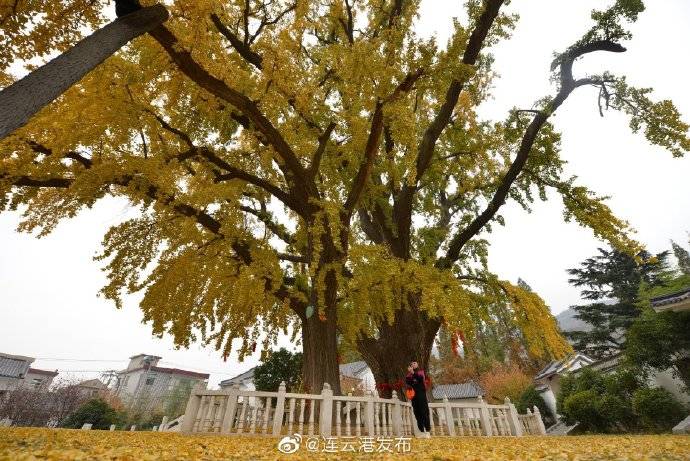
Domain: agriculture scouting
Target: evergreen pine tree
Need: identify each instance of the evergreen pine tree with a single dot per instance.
(683, 258)
(612, 281)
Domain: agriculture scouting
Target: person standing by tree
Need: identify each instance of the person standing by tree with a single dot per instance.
(420, 406)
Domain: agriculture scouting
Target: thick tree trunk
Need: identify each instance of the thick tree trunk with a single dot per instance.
(24, 98)
(410, 337)
(319, 339)
(320, 356)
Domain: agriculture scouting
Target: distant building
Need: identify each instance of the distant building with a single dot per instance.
(359, 371)
(13, 369)
(465, 392)
(146, 384)
(16, 372)
(39, 379)
(92, 388)
(548, 380)
(245, 380)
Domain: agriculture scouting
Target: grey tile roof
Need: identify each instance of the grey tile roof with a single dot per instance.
(562, 366)
(249, 374)
(353, 369)
(93, 384)
(13, 367)
(466, 390)
(671, 298)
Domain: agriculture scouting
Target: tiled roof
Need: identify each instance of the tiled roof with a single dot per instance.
(606, 364)
(177, 371)
(13, 366)
(144, 355)
(671, 298)
(172, 371)
(353, 369)
(249, 374)
(466, 390)
(36, 371)
(562, 366)
(93, 384)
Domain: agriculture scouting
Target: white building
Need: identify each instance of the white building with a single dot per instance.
(16, 372)
(548, 380)
(245, 380)
(92, 388)
(360, 371)
(39, 379)
(143, 380)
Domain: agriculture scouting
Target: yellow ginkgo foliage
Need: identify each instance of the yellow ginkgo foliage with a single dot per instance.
(308, 166)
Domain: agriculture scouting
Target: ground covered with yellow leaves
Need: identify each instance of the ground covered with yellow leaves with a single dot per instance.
(19, 444)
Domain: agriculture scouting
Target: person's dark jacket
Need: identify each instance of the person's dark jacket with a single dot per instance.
(416, 381)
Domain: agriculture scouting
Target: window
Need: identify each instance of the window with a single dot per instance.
(36, 382)
(149, 381)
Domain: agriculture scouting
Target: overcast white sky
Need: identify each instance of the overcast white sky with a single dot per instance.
(48, 303)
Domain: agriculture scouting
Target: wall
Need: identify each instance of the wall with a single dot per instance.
(666, 380)
(7, 383)
(45, 380)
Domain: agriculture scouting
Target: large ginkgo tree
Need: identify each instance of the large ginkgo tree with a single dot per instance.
(312, 166)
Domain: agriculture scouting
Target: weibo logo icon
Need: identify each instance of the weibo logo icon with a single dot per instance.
(289, 445)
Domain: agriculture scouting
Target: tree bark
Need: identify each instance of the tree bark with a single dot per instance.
(24, 98)
(409, 338)
(320, 352)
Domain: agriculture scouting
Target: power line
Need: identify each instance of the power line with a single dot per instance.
(102, 371)
(164, 362)
(61, 359)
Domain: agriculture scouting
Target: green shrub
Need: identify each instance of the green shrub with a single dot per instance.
(615, 413)
(531, 398)
(96, 412)
(657, 409)
(580, 407)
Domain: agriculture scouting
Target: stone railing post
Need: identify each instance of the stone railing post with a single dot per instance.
(164, 424)
(192, 409)
(397, 415)
(326, 414)
(484, 417)
(369, 414)
(450, 421)
(280, 410)
(513, 420)
(530, 422)
(541, 430)
(230, 409)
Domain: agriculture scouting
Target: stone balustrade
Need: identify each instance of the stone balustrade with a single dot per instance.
(234, 412)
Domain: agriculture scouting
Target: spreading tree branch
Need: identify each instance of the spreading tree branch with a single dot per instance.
(568, 85)
(192, 69)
